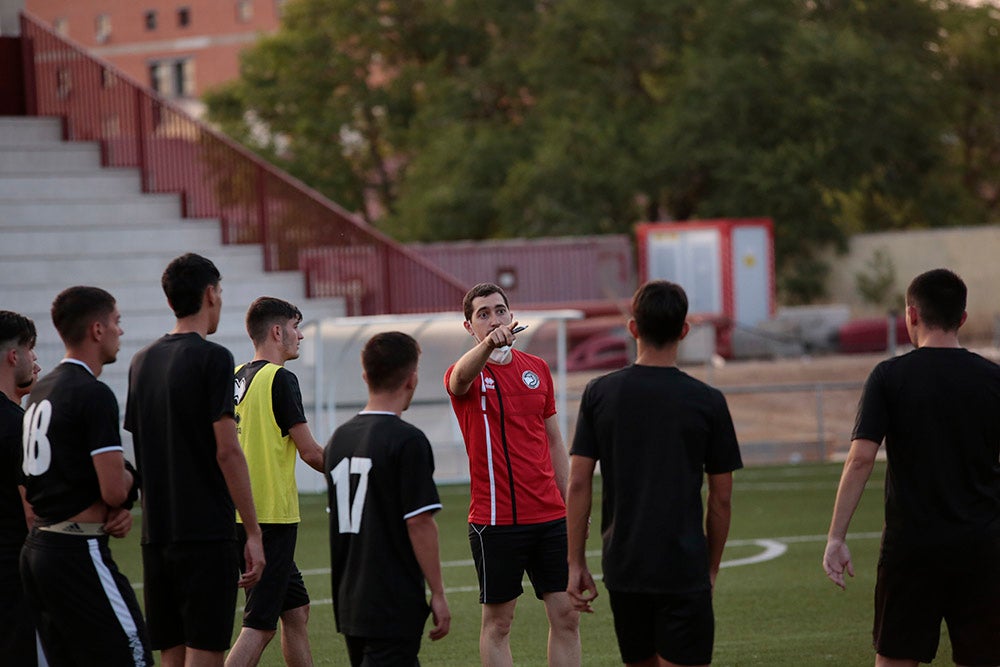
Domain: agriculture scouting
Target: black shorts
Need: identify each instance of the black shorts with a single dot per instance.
(504, 553)
(385, 652)
(916, 589)
(84, 608)
(280, 587)
(17, 631)
(679, 628)
(190, 591)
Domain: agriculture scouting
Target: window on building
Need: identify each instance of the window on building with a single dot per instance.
(183, 17)
(173, 78)
(61, 26)
(244, 11)
(102, 28)
(150, 19)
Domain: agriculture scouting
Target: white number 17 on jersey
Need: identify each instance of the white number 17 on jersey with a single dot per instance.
(348, 513)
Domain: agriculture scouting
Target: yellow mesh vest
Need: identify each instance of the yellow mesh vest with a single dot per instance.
(270, 456)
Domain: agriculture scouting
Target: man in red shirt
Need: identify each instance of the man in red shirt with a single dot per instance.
(505, 405)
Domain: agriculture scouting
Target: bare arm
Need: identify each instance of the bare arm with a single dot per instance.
(233, 464)
(717, 517)
(306, 444)
(857, 469)
(581, 588)
(558, 453)
(424, 537)
(114, 479)
(471, 364)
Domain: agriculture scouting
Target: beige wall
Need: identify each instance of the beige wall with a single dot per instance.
(972, 252)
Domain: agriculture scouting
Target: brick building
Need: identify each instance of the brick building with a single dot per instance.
(181, 48)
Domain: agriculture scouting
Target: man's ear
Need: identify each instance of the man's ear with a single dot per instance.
(913, 316)
(684, 330)
(468, 327)
(210, 296)
(11, 357)
(633, 328)
(276, 332)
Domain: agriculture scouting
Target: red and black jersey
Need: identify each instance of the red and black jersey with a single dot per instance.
(502, 418)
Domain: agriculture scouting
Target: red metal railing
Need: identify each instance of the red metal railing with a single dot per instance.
(255, 202)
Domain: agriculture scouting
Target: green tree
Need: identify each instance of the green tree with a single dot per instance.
(448, 119)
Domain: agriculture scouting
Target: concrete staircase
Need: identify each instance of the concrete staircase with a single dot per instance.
(66, 221)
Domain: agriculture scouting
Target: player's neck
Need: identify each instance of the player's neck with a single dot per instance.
(197, 323)
(270, 355)
(648, 355)
(91, 360)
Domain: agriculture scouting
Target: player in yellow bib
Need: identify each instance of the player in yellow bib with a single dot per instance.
(272, 430)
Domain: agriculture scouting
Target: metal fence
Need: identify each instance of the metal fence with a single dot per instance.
(255, 202)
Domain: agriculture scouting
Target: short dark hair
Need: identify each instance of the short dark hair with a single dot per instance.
(659, 308)
(184, 282)
(16, 330)
(482, 289)
(939, 296)
(76, 308)
(265, 312)
(388, 359)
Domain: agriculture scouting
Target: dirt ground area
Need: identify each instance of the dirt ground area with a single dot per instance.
(787, 410)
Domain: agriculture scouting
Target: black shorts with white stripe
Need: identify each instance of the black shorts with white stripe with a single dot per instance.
(84, 608)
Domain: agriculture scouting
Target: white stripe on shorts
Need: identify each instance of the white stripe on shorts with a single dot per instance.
(118, 604)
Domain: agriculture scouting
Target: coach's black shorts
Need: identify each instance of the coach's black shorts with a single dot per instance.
(504, 553)
(679, 628)
(190, 591)
(84, 608)
(917, 588)
(280, 587)
(383, 652)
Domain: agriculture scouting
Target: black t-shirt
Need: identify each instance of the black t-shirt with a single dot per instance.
(656, 431)
(379, 472)
(13, 530)
(939, 412)
(286, 397)
(71, 416)
(178, 388)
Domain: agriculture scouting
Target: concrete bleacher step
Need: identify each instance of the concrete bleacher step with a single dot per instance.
(29, 131)
(51, 269)
(84, 185)
(50, 158)
(166, 237)
(133, 208)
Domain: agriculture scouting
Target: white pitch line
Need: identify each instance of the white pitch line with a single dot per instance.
(772, 547)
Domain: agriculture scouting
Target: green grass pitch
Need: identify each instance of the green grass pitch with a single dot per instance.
(774, 608)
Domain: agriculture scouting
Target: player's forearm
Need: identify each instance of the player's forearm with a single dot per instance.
(468, 367)
(719, 509)
(309, 450)
(558, 454)
(578, 506)
(717, 520)
(423, 534)
(857, 469)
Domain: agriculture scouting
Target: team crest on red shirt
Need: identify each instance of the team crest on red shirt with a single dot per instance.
(530, 379)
